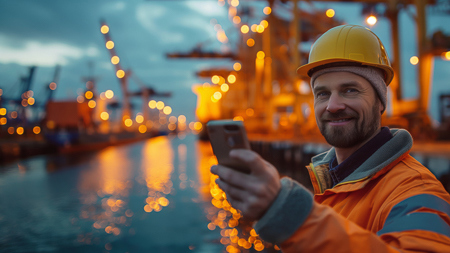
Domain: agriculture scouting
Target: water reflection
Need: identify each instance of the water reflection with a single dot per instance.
(157, 167)
(236, 236)
(104, 193)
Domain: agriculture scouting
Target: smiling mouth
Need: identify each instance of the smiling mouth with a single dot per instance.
(339, 120)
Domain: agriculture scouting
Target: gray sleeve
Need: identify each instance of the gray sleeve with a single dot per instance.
(286, 214)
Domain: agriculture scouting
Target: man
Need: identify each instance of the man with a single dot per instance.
(370, 195)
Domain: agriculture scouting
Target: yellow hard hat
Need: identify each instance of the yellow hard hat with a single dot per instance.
(348, 44)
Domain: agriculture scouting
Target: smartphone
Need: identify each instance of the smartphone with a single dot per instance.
(224, 136)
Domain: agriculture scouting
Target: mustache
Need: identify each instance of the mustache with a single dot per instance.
(328, 116)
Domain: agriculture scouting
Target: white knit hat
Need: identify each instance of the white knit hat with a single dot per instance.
(373, 75)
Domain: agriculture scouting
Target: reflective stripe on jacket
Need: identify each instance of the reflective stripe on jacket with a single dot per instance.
(392, 203)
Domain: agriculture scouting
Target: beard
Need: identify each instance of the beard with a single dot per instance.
(355, 133)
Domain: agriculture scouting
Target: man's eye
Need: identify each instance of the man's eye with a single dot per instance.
(322, 94)
(351, 90)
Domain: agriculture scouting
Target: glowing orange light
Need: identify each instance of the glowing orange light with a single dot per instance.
(13, 114)
(267, 10)
(172, 119)
(11, 130)
(250, 42)
(20, 130)
(414, 60)
(80, 99)
(3, 121)
(330, 13)
(31, 101)
(371, 20)
(259, 247)
(224, 87)
(128, 122)
(139, 118)
(120, 73)
(238, 118)
(260, 55)
(163, 201)
(115, 60)
(1, 92)
(52, 86)
(245, 29)
(142, 129)
(104, 29)
(254, 27)
(250, 112)
(264, 23)
(152, 104)
(182, 119)
(221, 36)
(215, 79)
(198, 126)
(160, 105)
(88, 94)
(260, 28)
(25, 102)
(92, 104)
(231, 78)
(236, 20)
(447, 55)
(211, 226)
(3, 111)
(110, 44)
(235, 3)
(104, 116)
(109, 94)
(217, 95)
(221, 80)
(167, 110)
(36, 130)
(237, 66)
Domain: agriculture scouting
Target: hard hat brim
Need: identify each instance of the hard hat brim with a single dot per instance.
(305, 70)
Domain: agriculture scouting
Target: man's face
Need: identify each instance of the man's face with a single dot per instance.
(347, 109)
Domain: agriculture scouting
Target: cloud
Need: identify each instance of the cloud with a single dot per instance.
(210, 9)
(150, 16)
(48, 54)
(113, 7)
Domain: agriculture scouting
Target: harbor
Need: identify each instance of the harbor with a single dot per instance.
(156, 195)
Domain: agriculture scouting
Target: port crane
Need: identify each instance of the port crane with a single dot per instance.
(280, 45)
(145, 91)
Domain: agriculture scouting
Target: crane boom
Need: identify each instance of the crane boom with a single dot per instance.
(120, 73)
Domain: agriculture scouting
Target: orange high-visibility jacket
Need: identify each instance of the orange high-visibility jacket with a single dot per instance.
(391, 203)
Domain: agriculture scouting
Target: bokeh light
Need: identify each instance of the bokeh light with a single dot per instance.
(330, 13)
(245, 29)
(36, 130)
(414, 60)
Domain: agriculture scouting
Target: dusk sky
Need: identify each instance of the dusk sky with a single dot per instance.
(50, 32)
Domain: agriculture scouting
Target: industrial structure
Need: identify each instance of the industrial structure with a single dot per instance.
(263, 90)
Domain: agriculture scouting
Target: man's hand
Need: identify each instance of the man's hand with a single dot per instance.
(251, 193)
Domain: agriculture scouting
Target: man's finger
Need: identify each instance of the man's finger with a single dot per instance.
(231, 176)
(249, 158)
(232, 192)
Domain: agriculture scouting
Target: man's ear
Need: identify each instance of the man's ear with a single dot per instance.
(380, 107)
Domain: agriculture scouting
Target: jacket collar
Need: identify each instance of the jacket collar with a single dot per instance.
(393, 149)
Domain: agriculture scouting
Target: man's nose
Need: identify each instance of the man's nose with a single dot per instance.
(335, 103)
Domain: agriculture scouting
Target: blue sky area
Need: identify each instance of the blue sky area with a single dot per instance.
(49, 32)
